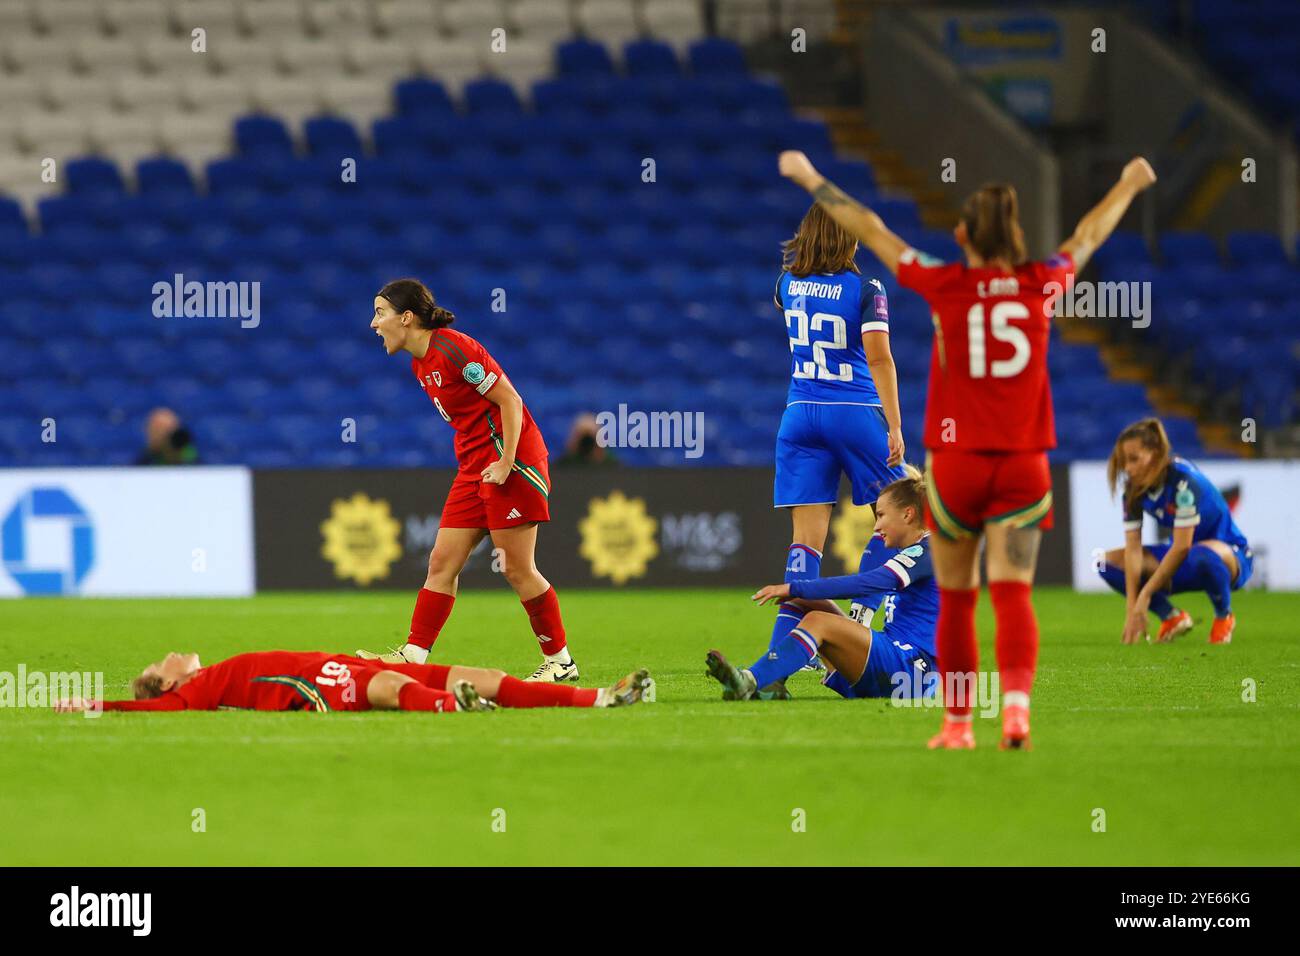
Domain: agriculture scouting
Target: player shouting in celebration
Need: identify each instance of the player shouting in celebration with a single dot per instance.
(1207, 551)
(841, 413)
(502, 484)
(988, 420)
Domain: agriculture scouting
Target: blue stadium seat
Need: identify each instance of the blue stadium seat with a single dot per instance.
(650, 58)
(333, 137)
(262, 136)
(92, 174)
(716, 56)
(580, 57)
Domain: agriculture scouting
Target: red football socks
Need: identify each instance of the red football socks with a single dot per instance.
(544, 616)
(1017, 635)
(958, 652)
(432, 609)
(415, 696)
(521, 693)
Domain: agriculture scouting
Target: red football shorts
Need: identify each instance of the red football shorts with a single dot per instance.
(521, 500)
(969, 489)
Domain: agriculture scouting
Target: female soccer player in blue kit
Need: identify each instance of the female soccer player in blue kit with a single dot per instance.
(841, 413)
(897, 659)
(1207, 551)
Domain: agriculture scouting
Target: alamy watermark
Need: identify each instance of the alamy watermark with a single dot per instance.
(1100, 300)
(928, 688)
(208, 300)
(41, 689)
(637, 429)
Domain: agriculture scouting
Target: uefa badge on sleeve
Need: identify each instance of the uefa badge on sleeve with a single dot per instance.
(473, 373)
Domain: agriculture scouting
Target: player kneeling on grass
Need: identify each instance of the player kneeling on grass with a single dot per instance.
(317, 681)
(1207, 552)
(860, 662)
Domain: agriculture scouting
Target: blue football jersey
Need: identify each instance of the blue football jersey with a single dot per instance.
(912, 611)
(910, 594)
(1186, 499)
(825, 316)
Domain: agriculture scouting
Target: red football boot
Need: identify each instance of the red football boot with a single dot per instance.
(1180, 622)
(954, 735)
(1015, 728)
(1222, 628)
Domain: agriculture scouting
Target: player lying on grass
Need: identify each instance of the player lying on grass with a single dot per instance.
(860, 662)
(317, 681)
(1207, 552)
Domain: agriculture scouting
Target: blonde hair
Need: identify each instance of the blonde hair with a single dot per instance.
(147, 686)
(819, 245)
(908, 491)
(1151, 433)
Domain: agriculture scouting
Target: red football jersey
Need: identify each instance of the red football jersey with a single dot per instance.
(456, 373)
(262, 680)
(989, 389)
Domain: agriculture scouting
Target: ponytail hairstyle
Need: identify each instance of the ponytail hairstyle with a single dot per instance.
(1151, 433)
(908, 491)
(819, 245)
(412, 295)
(991, 215)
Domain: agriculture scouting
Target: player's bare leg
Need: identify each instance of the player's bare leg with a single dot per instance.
(1012, 555)
(451, 549)
(843, 642)
(516, 549)
(956, 571)
(500, 688)
(391, 690)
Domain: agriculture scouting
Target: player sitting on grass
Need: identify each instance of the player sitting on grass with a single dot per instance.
(1207, 553)
(860, 662)
(317, 681)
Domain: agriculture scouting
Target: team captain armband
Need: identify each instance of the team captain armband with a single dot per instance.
(1186, 514)
(477, 376)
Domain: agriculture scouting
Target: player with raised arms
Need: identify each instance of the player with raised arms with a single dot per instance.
(988, 420)
(1206, 552)
(321, 682)
(861, 662)
(502, 484)
(841, 413)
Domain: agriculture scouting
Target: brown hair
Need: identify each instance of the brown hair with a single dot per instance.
(1151, 433)
(991, 215)
(147, 686)
(412, 295)
(820, 244)
(908, 491)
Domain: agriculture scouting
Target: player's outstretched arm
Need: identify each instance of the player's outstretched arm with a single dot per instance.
(1100, 221)
(844, 209)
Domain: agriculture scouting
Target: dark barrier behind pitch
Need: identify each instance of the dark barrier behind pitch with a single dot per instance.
(610, 527)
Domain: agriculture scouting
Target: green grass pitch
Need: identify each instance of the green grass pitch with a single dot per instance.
(1157, 737)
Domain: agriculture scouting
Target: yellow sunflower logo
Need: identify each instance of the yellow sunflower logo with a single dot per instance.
(361, 538)
(618, 537)
(851, 530)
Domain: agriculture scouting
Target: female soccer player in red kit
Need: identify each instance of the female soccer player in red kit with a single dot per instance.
(501, 486)
(988, 421)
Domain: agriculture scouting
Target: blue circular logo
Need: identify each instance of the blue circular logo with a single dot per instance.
(474, 373)
(47, 512)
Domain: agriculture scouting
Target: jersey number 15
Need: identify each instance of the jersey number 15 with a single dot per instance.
(1000, 328)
